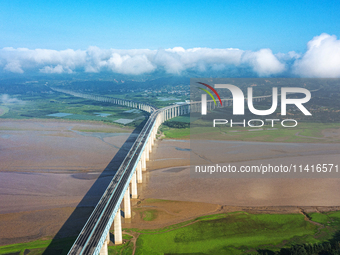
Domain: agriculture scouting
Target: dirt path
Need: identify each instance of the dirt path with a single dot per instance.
(307, 218)
(135, 236)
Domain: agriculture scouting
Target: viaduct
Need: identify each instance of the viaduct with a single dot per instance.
(95, 236)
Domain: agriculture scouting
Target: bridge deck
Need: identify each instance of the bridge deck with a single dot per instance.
(108, 205)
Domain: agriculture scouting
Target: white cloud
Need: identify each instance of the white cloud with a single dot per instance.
(263, 62)
(14, 67)
(6, 99)
(136, 61)
(57, 69)
(322, 58)
(127, 64)
(18, 60)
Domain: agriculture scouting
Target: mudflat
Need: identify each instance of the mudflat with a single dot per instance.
(170, 177)
(48, 168)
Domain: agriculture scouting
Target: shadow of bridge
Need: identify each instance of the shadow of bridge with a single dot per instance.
(60, 245)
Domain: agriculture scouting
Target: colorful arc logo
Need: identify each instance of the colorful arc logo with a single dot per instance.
(204, 97)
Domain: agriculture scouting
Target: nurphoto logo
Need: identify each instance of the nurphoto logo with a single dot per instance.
(238, 101)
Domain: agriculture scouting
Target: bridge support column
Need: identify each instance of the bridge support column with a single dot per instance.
(153, 135)
(127, 205)
(104, 249)
(143, 161)
(134, 186)
(108, 238)
(139, 172)
(150, 143)
(147, 151)
(117, 228)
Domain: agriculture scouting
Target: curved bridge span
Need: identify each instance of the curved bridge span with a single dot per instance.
(95, 236)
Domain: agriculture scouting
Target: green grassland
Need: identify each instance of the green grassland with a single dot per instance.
(40, 106)
(225, 233)
(124, 249)
(304, 132)
(149, 215)
(3, 110)
(38, 247)
(329, 219)
(157, 99)
(229, 234)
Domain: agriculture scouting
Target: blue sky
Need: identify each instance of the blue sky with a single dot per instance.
(281, 26)
(268, 38)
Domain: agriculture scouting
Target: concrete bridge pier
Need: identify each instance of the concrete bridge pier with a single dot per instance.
(150, 144)
(104, 249)
(127, 204)
(143, 161)
(139, 172)
(152, 136)
(134, 186)
(147, 151)
(117, 222)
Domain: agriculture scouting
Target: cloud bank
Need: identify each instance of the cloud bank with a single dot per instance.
(6, 99)
(322, 59)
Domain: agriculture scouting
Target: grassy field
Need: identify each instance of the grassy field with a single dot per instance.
(231, 233)
(159, 100)
(41, 106)
(124, 249)
(38, 247)
(3, 110)
(329, 219)
(304, 132)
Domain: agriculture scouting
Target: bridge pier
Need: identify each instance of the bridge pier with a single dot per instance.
(153, 137)
(143, 161)
(139, 172)
(127, 204)
(104, 249)
(150, 144)
(134, 186)
(117, 229)
(147, 151)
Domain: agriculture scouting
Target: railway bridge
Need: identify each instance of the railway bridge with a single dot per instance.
(95, 235)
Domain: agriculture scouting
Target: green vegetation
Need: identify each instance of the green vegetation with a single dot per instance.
(3, 110)
(124, 249)
(174, 133)
(319, 217)
(231, 233)
(41, 106)
(59, 246)
(149, 215)
(176, 124)
(303, 133)
(329, 219)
